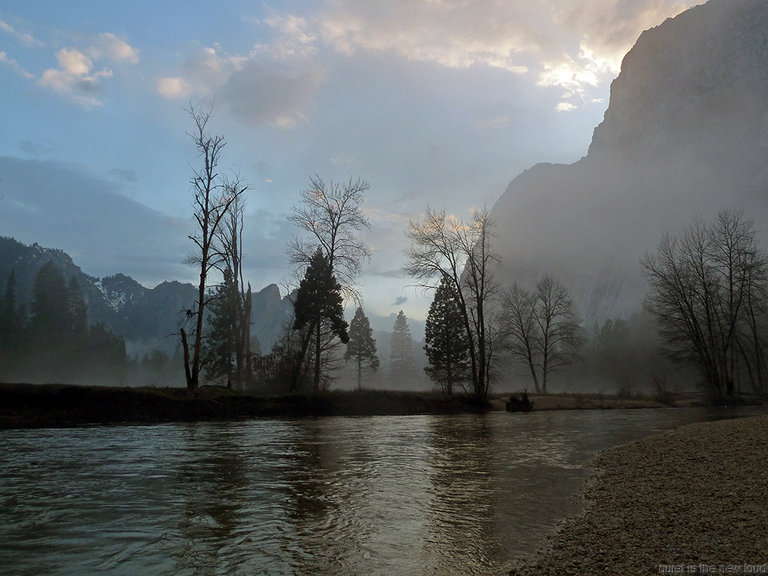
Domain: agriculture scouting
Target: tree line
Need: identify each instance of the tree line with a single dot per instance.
(707, 302)
(52, 341)
(707, 298)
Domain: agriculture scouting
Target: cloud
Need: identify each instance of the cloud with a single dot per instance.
(261, 93)
(173, 88)
(110, 47)
(450, 33)
(293, 37)
(598, 34)
(343, 159)
(400, 300)
(254, 88)
(76, 76)
(133, 239)
(13, 65)
(565, 107)
(497, 122)
(574, 46)
(24, 38)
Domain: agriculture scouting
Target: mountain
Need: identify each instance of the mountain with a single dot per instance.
(147, 318)
(685, 135)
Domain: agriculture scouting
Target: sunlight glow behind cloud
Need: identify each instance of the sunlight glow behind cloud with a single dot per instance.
(436, 102)
(571, 45)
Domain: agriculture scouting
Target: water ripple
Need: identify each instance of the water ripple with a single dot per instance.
(380, 495)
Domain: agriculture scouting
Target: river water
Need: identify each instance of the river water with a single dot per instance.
(459, 494)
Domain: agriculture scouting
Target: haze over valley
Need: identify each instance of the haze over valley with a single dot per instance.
(683, 138)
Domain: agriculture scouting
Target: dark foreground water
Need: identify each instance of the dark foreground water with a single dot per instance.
(375, 495)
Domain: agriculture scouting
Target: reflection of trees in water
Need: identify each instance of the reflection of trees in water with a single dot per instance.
(353, 497)
(313, 501)
(211, 481)
(460, 517)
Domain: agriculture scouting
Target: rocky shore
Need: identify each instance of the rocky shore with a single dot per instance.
(689, 501)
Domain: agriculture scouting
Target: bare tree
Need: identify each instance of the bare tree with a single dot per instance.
(458, 252)
(518, 326)
(229, 247)
(557, 325)
(333, 217)
(541, 328)
(707, 292)
(211, 203)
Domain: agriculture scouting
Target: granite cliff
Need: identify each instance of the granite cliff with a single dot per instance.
(685, 135)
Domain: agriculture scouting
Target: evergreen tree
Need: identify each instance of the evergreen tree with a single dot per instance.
(361, 346)
(103, 356)
(221, 344)
(51, 348)
(318, 304)
(11, 327)
(49, 306)
(401, 364)
(446, 342)
(60, 344)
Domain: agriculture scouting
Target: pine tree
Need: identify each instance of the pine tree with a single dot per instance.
(11, 327)
(446, 341)
(319, 304)
(58, 331)
(220, 347)
(361, 346)
(401, 364)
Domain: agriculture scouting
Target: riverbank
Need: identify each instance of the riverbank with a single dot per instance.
(52, 405)
(688, 501)
(577, 401)
(44, 405)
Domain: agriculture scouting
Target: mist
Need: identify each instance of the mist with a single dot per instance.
(685, 136)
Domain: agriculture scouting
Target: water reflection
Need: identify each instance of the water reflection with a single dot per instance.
(212, 485)
(460, 514)
(380, 495)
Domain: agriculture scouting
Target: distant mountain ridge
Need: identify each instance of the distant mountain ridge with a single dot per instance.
(147, 318)
(684, 136)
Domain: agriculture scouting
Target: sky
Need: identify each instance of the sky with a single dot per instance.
(436, 103)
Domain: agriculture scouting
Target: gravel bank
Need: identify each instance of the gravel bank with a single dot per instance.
(689, 501)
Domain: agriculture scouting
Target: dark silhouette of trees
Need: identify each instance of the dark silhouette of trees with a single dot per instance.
(221, 345)
(211, 201)
(228, 342)
(540, 329)
(319, 304)
(401, 364)
(460, 253)
(446, 341)
(708, 290)
(56, 343)
(11, 327)
(361, 347)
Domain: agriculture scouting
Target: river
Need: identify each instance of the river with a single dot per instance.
(459, 494)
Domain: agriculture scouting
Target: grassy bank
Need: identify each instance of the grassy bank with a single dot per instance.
(683, 501)
(37, 405)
